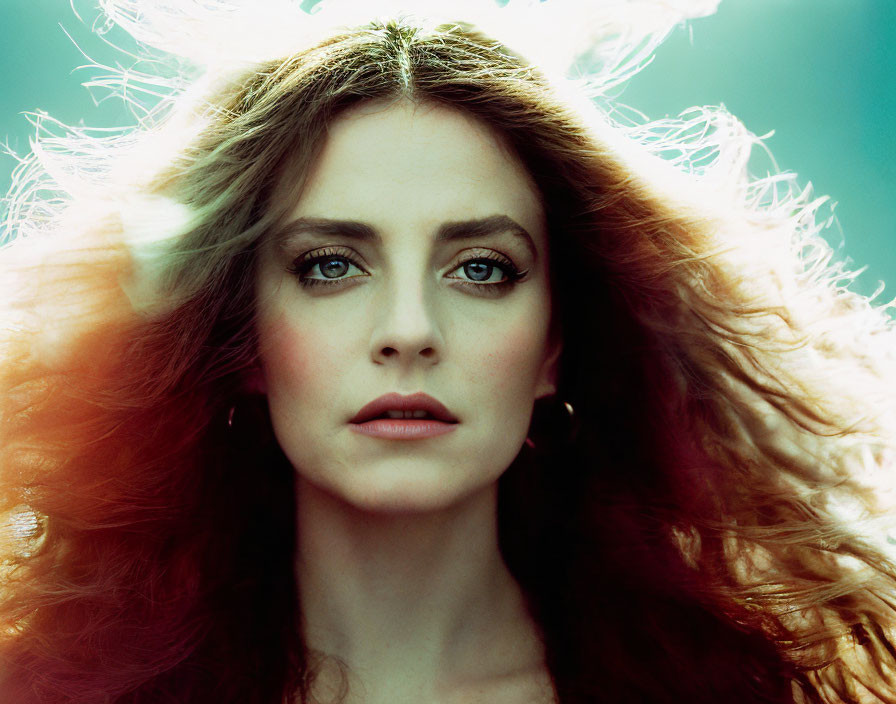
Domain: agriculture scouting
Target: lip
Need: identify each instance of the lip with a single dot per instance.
(399, 429)
(396, 402)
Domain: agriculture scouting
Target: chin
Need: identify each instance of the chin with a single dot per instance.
(407, 494)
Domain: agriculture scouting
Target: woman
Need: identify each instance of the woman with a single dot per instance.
(646, 404)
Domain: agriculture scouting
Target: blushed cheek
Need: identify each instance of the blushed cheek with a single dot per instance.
(516, 356)
(285, 355)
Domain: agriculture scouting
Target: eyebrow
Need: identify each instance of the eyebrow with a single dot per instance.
(449, 231)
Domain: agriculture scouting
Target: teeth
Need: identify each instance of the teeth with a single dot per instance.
(406, 414)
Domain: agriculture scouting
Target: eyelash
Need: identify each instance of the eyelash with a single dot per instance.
(301, 266)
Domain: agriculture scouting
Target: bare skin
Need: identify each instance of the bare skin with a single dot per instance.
(419, 608)
(399, 572)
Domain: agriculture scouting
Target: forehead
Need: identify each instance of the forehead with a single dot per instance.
(403, 165)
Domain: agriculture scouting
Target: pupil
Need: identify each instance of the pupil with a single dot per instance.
(340, 268)
(478, 271)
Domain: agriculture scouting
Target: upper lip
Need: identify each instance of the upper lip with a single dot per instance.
(397, 402)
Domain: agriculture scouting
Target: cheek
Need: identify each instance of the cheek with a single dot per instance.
(513, 352)
(291, 357)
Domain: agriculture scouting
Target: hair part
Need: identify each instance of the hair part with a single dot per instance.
(688, 544)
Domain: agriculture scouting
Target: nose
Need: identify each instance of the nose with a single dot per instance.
(405, 332)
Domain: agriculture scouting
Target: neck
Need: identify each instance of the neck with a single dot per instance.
(422, 599)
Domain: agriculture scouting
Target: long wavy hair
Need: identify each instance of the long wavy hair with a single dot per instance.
(711, 527)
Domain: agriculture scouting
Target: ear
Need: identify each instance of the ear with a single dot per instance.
(547, 375)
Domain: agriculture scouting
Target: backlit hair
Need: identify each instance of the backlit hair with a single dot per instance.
(714, 531)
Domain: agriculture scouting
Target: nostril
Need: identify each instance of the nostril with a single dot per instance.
(391, 351)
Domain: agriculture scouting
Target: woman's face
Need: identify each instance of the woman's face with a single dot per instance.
(391, 303)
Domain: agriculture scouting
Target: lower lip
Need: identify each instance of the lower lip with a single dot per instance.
(394, 429)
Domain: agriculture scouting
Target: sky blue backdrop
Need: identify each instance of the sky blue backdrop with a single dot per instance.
(821, 73)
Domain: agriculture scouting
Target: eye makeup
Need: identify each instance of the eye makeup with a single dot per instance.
(302, 266)
(491, 226)
(490, 260)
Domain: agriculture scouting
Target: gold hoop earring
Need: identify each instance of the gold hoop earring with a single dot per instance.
(568, 419)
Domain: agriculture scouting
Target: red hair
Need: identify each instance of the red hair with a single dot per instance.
(685, 545)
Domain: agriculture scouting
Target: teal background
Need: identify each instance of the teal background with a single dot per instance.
(820, 73)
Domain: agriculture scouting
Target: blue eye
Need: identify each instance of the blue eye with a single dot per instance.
(334, 264)
(331, 264)
(482, 269)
